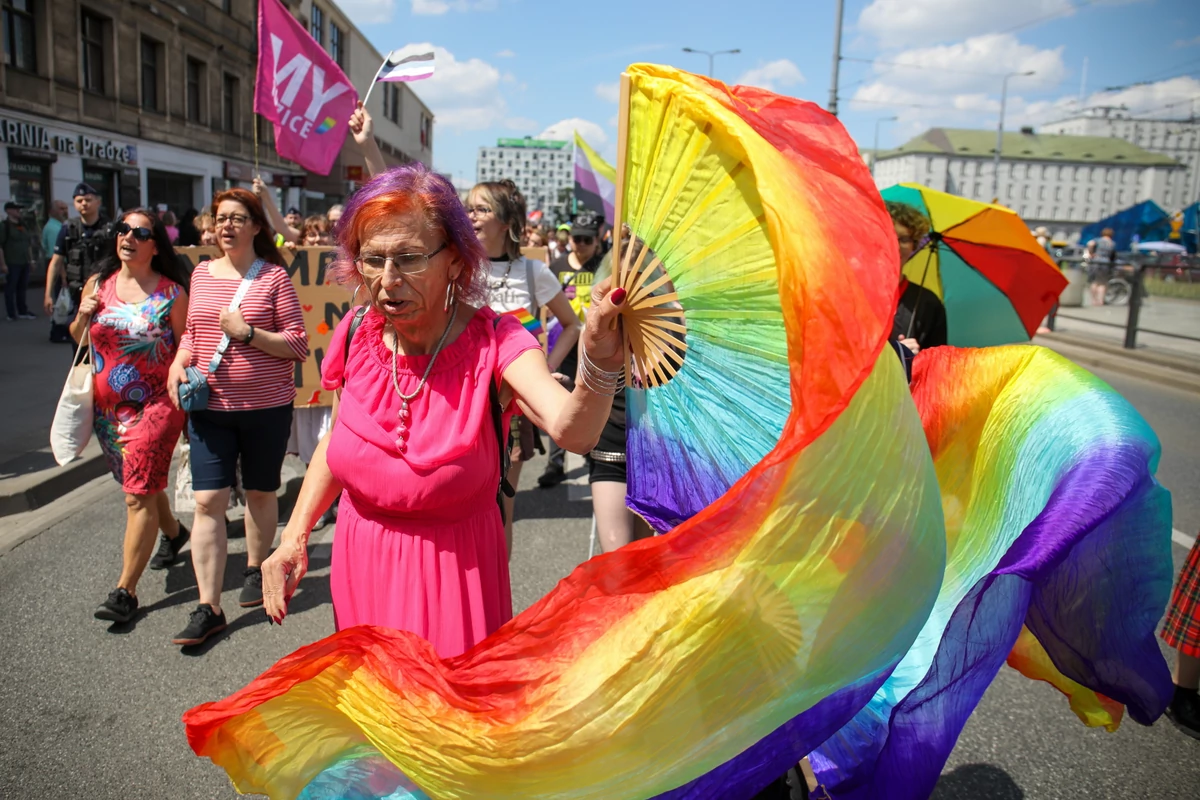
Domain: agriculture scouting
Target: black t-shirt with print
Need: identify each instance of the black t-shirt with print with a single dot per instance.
(577, 286)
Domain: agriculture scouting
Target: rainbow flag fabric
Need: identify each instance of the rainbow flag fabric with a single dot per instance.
(822, 572)
(528, 321)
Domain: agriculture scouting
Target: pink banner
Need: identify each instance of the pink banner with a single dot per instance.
(301, 89)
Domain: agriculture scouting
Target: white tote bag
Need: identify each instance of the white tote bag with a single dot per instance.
(72, 426)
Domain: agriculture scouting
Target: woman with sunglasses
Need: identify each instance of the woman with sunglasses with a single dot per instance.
(497, 213)
(427, 378)
(133, 311)
(249, 412)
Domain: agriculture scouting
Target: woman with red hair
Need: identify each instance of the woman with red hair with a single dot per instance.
(248, 355)
(428, 379)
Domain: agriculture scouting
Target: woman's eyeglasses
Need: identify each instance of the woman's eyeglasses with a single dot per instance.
(584, 240)
(141, 234)
(236, 220)
(373, 266)
(479, 211)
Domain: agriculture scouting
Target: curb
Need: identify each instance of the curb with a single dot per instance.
(1146, 368)
(39, 489)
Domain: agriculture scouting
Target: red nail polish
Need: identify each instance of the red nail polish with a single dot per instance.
(618, 296)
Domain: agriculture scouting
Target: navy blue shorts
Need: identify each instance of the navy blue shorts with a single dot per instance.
(258, 437)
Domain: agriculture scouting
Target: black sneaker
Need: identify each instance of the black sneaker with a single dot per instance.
(251, 588)
(120, 606)
(168, 549)
(1184, 711)
(553, 476)
(202, 624)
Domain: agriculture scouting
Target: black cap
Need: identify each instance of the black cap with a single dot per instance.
(12, 204)
(294, 210)
(587, 224)
(84, 188)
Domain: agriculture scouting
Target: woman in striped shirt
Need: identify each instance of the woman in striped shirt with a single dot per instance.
(249, 413)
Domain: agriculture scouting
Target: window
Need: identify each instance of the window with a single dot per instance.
(19, 40)
(1041, 193)
(92, 32)
(229, 103)
(1074, 194)
(1058, 193)
(336, 46)
(150, 56)
(195, 90)
(1024, 192)
(317, 26)
(1089, 195)
(227, 6)
(391, 102)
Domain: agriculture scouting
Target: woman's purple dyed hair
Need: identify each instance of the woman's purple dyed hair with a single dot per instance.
(400, 190)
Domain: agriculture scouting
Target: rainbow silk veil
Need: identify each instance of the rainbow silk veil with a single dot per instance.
(831, 543)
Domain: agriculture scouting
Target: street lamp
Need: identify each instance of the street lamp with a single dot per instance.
(710, 56)
(875, 148)
(1000, 130)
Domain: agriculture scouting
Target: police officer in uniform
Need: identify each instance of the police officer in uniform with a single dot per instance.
(81, 243)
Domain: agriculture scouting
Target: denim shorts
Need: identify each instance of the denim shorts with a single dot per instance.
(258, 437)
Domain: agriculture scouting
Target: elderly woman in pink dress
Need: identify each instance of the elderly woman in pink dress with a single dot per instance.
(428, 378)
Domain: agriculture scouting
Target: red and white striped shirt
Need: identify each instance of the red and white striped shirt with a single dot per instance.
(247, 378)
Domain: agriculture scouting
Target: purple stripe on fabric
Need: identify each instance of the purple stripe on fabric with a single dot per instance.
(587, 180)
(1106, 526)
(750, 771)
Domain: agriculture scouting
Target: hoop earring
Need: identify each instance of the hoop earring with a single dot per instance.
(451, 295)
(354, 297)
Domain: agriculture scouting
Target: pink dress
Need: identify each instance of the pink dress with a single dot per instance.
(419, 544)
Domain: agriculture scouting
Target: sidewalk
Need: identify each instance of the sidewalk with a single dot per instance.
(1107, 324)
(1090, 336)
(32, 371)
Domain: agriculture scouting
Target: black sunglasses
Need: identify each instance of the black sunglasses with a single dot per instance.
(583, 239)
(141, 234)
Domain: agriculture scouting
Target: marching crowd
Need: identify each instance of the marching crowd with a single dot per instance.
(442, 392)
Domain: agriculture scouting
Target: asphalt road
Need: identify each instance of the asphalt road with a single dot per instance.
(89, 711)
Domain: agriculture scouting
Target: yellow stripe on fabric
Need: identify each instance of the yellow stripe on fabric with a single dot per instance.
(598, 164)
(1094, 710)
(946, 211)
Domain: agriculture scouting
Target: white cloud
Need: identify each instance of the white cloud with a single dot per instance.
(434, 8)
(564, 130)
(1173, 97)
(463, 95)
(897, 23)
(368, 12)
(506, 54)
(773, 75)
(977, 64)
(609, 92)
(1187, 42)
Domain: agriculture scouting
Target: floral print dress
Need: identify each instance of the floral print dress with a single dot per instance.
(133, 345)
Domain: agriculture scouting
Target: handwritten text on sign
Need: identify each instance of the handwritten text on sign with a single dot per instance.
(323, 303)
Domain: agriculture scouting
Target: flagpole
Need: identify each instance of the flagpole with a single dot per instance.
(254, 115)
(375, 80)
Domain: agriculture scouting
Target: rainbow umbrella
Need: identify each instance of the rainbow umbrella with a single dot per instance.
(995, 281)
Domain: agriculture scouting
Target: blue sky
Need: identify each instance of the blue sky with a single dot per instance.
(532, 67)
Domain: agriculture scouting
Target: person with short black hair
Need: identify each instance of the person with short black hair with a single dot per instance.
(16, 240)
(82, 243)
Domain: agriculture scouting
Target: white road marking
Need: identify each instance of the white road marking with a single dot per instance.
(1182, 539)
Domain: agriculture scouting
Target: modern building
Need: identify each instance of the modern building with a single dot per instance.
(542, 169)
(1060, 181)
(1178, 138)
(152, 102)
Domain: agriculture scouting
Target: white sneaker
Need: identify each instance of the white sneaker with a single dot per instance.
(26, 315)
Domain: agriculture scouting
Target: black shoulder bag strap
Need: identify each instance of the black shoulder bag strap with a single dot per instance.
(532, 291)
(355, 321)
(505, 489)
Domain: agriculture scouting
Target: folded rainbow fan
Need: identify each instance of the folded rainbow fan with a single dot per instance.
(773, 433)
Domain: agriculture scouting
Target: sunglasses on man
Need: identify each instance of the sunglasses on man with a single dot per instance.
(139, 233)
(583, 239)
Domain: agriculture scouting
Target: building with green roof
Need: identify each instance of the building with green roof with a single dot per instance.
(1060, 181)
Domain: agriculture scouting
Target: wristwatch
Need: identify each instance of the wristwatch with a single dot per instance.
(249, 336)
